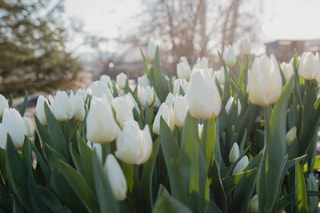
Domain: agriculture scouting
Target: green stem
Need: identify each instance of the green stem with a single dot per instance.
(266, 114)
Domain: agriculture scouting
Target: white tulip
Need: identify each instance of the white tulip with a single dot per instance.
(101, 126)
(167, 115)
(169, 99)
(151, 51)
(287, 70)
(180, 83)
(61, 107)
(309, 66)
(123, 110)
(99, 89)
(234, 153)
(265, 82)
(146, 96)
(229, 56)
(28, 123)
(291, 135)
(143, 81)
(77, 106)
(106, 80)
(254, 204)
(82, 93)
(245, 46)
(180, 110)
(202, 63)
(40, 112)
(116, 178)
(203, 97)
(3, 104)
(121, 80)
(219, 75)
(183, 69)
(12, 124)
(241, 165)
(230, 103)
(134, 146)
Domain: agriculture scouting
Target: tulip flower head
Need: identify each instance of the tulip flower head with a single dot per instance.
(202, 63)
(254, 204)
(146, 96)
(3, 104)
(77, 106)
(40, 112)
(245, 46)
(61, 107)
(29, 126)
(134, 146)
(123, 110)
(180, 110)
(143, 81)
(229, 104)
(234, 153)
(265, 82)
(229, 56)
(180, 84)
(309, 66)
(151, 51)
(287, 70)
(219, 75)
(291, 135)
(241, 165)
(166, 112)
(100, 89)
(121, 80)
(183, 69)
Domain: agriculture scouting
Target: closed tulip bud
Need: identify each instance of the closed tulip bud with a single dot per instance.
(99, 89)
(309, 66)
(97, 148)
(151, 51)
(219, 75)
(180, 83)
(229, 56)
(146, 96)
(82, 93)
(12, 124)
(61, 107)
(77, 106)
(265, 82)
(166, 113)
(180, 110)
(106, 80)
(254, 204)
(287, 70)
(3, 104)
(143, 81)
(121, 80)
(202, 63)
(169, 99)
(183, 69)
(134, 146)
(203, 96)
(241, 165)
(245, 46)
(291, 135)
(230, 103)
(116, 178)
(234, 153)
(123, 110)
(40, 112)
(101, 126)
(28, 123)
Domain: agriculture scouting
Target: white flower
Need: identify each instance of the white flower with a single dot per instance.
(169, 99)
(121, 80)
(230, 103)
(245, 46)
(287, 70)
(116, 178)
(100, 89)
(106, 80)
(77, 106)
(40, 112)
(123, 110)
(241, 165)
(134, 146)
(151, 51)
(61, 107)
(180, 83)
(167, 114)
(146, 96)
(202, 63)
(12, 124)
(203, 97)
(101, 126)
(229, 56)
(291, 135)
(219, 75)
(180, 110)
(309, 66)
(3, 104)
(234, 153)
(183, 69)
(265, 82)
(29, 126)
(97, 148)
(82, 93)
(143, 81)
(254, 204)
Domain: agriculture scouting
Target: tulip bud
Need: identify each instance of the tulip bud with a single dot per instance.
(146, 96)
(265, 82)
(99, 89)
(169, 99)
(101, 126)
(151, 51)
(123, 110)
(166, 113)
(230, 103)
(202, 63)
(106, 80)
(77, 106)
(134, 146)
(116, 178)
(291, 135)
(61, 107)
(13, 124)
(143, 81)
(254, 204)
(180, 110)
(82, 93)
(97, 148)
(121, 80)
(40, 112)
(245, 46)
(183, 69)
(3, 104)
(219, 75)
(229, 56)
(241, 165)
(309, 66)
(234, 153)
(180, 83)
(287, 70)
(203, 97)
(28, 123)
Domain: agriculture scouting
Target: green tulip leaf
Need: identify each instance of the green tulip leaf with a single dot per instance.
(24, 104)
(301, 191)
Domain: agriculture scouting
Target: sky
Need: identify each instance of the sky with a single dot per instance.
(282, 19)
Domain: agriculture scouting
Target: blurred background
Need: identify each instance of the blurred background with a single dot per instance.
(46, 45)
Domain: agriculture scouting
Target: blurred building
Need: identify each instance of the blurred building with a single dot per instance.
(284, 49)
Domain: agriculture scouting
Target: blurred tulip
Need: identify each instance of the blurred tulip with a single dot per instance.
(202, 63)
(28, 123)
(121, 80)
(123, 110)
(116, 178)
(180, 83)
(230, 103)
(101, 126)
(291, 135)
(99, 89)
(77, 106)
(241, 165)
(183, 69)
(82, 93)
(97, 148)
(166, 113)
(254, 204)
(151, 51)
(134, 146)
(180, 110)
(146, 96)
(287, 70)
(234, 153)
(143, 81)
(229, 56)
(219, 75)
(12, 124)
(265, 82)
(40, 112)
(106, 80)
(169, 99)
(3, 104)
(61, 107)
(203, 96)
(245, 46)
(309, 66)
